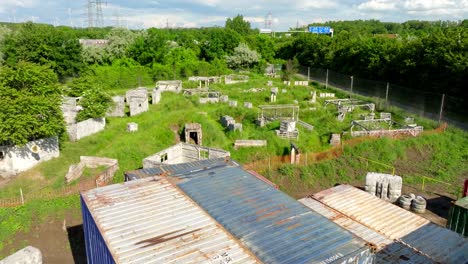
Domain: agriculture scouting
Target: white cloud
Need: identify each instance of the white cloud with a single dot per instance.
(377, 5)
(8, 6)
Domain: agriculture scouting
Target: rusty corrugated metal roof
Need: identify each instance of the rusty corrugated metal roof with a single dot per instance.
(438, 243)
(388, 219)
(272, 225)
(152, 221)
(388, 250)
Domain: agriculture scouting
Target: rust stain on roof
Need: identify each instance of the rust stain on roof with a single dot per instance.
(165, 237)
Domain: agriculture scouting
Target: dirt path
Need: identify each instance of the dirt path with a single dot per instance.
(58, 243)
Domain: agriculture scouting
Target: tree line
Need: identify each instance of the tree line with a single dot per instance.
(422, 55)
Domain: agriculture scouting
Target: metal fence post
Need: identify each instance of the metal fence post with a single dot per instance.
(22, 198)
(308, 73)
(352, 79)
(386, 92)
(326, 80)
(441, 108)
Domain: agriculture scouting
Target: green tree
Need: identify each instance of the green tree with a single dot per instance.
(30, 104)
(239, 25)
(45, 45)
(243, 57)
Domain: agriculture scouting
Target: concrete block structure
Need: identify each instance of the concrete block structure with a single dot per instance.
(169, 86)
(248, 105)
(385, 186)
(132, 127)
(288, 130)
(230, 123)
(16, 159)
(118, 109)
(193, 133)
(233, 78)
(75, 171)
(70, 109)
(27, 255)
(335, 140)
(183, 152)
(85, 128)
(155, 96)
(224, 98)
(137, 101)
(232, 103)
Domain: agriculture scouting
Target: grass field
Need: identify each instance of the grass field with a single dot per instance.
(442, 156)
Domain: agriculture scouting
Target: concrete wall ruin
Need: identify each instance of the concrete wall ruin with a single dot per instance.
(118, 109)
(15, 159)
(169, 86)
(233, 78)
(182, 153)
(70, 109)
(76, 170)
(156, 96)
(85, 128)
(249, 143)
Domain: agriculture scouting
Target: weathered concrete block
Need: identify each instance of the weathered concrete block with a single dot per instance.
(132, 127)
(85, 128)
(169, 86)
(27, 255)
(385, 186)
(118, 109)
(224, 98)
(335, 140)
(233, 103)
(387, 116)
(156, 96)
(247, 104)
(235, 127)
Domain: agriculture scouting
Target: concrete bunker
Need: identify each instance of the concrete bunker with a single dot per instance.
(193, 133)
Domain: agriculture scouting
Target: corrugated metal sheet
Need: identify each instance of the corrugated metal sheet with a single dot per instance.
(438, 243)
(275, 227)
(458, 217)
(151, 221)
(178, 169)
(388, 251)
(388, 219)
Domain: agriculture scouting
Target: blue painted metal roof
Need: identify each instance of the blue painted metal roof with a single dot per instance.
(180, 169)
(275, 227)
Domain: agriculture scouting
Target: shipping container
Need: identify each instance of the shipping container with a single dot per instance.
(458, 217)
(438, 243)
(387, 250)
(151, 221)
(272, 225)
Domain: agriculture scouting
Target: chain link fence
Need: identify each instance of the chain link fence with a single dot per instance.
(438, 107)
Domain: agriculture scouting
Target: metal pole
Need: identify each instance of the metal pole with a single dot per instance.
(441, 108)
(308, 73)
(352, 79)
(386, 92)
(326, 81)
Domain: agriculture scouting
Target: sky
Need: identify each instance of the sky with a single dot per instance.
(137, 14)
